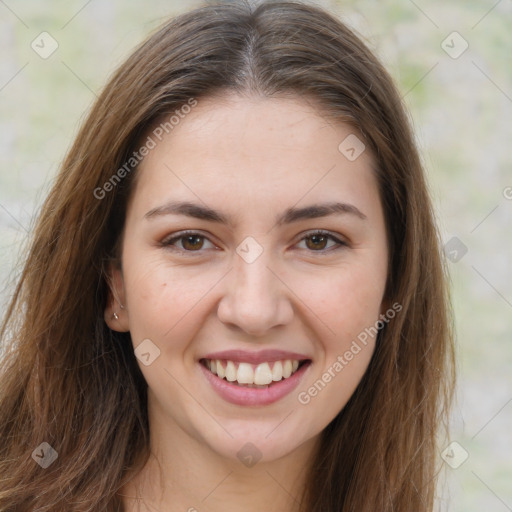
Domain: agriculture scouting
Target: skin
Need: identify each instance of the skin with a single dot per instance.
(250, 158)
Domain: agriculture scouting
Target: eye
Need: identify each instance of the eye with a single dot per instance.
(317, 240)
(191, 241)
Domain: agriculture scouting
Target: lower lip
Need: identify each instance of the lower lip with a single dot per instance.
(240, 395)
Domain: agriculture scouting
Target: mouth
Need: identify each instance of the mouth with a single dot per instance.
(256, 376)
(240, 382)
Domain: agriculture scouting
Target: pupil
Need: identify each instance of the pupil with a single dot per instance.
(316, 238)
(190, 239)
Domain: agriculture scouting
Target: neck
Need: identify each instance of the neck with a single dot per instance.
(183, 474)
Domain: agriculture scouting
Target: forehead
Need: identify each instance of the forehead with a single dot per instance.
(253, 151)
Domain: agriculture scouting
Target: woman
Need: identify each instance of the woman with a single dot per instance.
(235, 296)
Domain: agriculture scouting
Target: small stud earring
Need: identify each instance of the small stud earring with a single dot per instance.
(116, 316)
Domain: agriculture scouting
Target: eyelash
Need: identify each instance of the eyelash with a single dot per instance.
(168, 243)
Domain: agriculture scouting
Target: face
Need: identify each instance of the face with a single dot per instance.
(244, 277)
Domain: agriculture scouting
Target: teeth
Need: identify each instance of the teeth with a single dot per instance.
(231, 371)
(262, 374)
(287, 369)
(277, 371)
(221, 371)
(245, 374)
(253, 375)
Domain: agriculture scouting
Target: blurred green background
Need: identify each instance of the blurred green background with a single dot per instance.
(460, 100)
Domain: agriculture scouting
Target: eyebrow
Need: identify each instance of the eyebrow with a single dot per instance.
(290, 215)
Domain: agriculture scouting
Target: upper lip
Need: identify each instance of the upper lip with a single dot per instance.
(255, 357)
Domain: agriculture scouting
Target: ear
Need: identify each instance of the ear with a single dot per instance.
(116, 313)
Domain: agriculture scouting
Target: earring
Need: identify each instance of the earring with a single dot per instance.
(116, 316)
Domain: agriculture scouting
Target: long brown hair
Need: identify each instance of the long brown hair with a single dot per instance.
(69, 381)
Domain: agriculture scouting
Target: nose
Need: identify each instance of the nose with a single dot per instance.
(256, 299)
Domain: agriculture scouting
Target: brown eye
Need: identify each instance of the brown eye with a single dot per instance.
(192, 242)
(186, 242)
(317, 241)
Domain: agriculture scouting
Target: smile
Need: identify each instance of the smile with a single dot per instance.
(252, 375)
(237, 382)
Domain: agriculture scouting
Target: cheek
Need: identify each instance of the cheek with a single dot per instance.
(346, 300)
(164, 302)
(349, 311)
